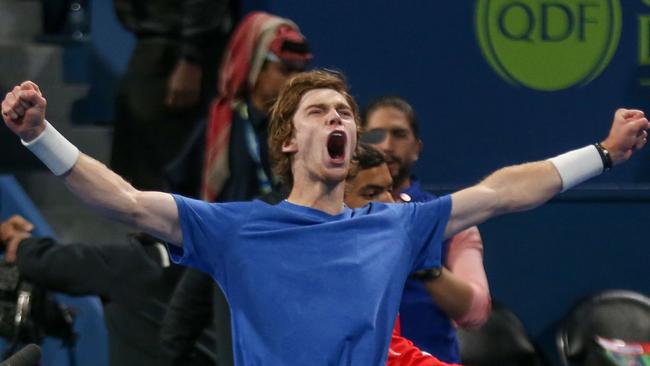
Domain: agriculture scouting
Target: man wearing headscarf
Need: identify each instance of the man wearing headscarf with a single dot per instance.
(264, 51)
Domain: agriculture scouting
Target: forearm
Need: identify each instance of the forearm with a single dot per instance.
(451, 294)
(523, 187)
(103, 190)
(512, 189)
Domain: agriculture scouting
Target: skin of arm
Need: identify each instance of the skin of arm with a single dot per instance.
(450, 293)
(526, 186)
(469, 304)
(23, 111)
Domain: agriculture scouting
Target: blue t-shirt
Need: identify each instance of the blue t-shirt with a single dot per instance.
(422, 321)
(309, 288)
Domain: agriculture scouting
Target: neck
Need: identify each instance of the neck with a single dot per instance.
(321, 196)
(401, 185)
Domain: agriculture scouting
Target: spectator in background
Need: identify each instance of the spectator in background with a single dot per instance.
(134, 280)
(264, 51)
(169, 81)
(464, 299)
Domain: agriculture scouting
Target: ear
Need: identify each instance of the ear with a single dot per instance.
(289, 146)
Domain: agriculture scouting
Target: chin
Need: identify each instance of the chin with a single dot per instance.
(336, 175)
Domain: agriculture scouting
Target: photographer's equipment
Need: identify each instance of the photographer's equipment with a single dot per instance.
(29, 312)
(30, 355)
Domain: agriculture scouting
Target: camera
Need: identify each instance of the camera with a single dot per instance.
(29, 312)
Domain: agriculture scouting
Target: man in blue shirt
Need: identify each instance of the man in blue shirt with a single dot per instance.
(427, 310)
(303, 283)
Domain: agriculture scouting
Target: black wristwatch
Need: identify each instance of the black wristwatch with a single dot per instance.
(604, 156)
(427, 275)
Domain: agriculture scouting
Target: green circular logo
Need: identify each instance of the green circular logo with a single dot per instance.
(548, 44)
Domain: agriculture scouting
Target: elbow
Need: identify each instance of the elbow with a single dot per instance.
(136, 208)
(479, 309)
(128, 209)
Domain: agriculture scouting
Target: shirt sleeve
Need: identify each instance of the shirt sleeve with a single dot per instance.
(425, 224)
(465, 260)
(209, 229)
(87, 269)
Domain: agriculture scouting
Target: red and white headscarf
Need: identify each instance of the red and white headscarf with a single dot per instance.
(256, 36)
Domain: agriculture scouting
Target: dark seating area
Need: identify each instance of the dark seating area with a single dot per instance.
(502, 341)
(614, 314)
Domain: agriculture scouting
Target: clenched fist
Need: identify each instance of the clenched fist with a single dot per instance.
(23, 110)
(628, 133)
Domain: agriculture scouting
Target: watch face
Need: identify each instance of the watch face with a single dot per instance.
(427, 274)
(435, 273)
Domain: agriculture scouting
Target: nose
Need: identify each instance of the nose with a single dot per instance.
(333, 117)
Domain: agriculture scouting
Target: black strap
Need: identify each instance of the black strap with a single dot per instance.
(604, 156)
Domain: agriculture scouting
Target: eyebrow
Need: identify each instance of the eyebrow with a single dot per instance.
(338, 105)
(390, 129)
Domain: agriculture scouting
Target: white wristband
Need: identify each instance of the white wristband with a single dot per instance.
(54, 150)
(577, 166)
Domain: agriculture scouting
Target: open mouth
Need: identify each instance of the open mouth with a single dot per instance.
(336, 145)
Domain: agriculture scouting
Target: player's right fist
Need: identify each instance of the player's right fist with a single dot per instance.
(23, 111)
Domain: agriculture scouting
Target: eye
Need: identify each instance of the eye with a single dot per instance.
(344, 112)
(400, 134)
(371, 194)
(315, 110)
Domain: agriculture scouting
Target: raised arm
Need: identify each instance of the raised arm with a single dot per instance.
(523, 187)
(23, 111)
